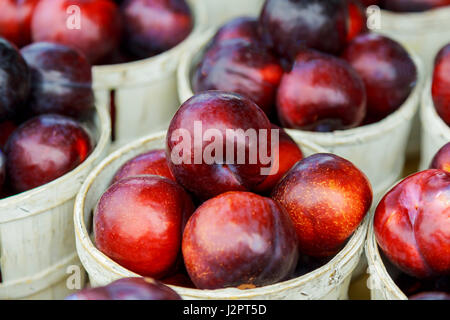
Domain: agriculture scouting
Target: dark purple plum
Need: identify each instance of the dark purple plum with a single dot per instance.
(321, 93)
(288, 26)
(388, 72)
(241, 67)
(14, 79)
(219, 111)
(43, 149)
(155, 26)
(61, 80)
(128, 289)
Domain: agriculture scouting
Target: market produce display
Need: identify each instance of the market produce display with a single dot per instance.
(280, 138)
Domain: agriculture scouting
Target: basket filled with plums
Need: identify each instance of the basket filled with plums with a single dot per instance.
(408, 244)
(133, 45)
(52, 133)
(435, 109)
(349, 90)
(225, 205)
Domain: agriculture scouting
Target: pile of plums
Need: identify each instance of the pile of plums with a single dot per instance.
(128, 289)
(106, 31)
(309, 65)
(407, 5)
(45, 96)
(440, 89)
(203, 214)
(412, 228)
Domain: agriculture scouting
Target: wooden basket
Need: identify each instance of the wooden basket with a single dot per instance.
(380, 283)
(331, 281)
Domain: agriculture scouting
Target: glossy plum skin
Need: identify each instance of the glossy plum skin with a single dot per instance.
(128, 289)
(155, 26)
(442, 159)
(153, 162)
(218, 111)
(239, 238)
(321, 93)
(43, 149)
(412, 224)
(99, 32)
(242, 67)
(388, 72)
(440, 89)
(61, 80)
(288, 26)
(15, 80)
(138, 222)
(413, 5)
(245, 28)
(430, 296)
(15, 20)
(326, 197)
(289, 153)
